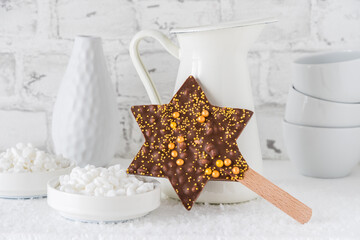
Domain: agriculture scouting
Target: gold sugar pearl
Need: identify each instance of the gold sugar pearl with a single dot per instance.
(173, 125)
(171, 145)
(215, 174)
(235, 170)
(205, 113)
(174, 153)
(180, 139)
(201, 119)
(176, 114)
(227, 162)
(219, 163)
(180, 162)
(208, 171)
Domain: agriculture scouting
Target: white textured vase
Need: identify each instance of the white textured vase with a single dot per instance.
(85, 117)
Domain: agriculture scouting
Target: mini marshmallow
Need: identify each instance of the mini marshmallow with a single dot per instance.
(26, 158)
(107, 182)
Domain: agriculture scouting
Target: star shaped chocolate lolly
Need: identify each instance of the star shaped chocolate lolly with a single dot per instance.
(190, 141)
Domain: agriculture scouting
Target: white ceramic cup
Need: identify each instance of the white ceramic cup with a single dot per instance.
(305, 110)
(322, 152)
(333, 76)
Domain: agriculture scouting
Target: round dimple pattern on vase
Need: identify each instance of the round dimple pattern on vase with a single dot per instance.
(85, 118)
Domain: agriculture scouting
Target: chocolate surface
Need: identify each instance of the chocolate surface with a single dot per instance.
(189, 141)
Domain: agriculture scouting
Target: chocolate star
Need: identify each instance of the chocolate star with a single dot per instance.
(189, 141)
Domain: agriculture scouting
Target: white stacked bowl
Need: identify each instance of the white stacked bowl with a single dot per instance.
(331, 76)
(322, 116)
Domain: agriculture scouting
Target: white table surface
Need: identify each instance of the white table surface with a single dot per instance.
(335, 203)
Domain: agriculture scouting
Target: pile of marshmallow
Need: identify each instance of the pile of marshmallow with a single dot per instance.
(108, 182)
(26, 158)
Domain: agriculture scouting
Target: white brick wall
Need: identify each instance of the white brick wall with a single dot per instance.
(22, 126)
(7, 74)
(42, 74)
(18, 18)
(112, 19)
(36, 39)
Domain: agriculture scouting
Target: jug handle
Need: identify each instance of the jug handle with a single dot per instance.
(139, 66)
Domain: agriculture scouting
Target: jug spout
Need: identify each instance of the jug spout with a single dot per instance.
(226, 25)
(232, 36)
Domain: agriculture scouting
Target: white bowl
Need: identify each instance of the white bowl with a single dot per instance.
(102, 209)
(322, 152)
(27, 185)
(330, 76)
(305, 110)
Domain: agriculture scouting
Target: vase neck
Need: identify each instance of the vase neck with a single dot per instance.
(87, 42)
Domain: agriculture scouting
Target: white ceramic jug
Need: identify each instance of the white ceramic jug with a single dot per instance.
(216, 56)
(85, 124)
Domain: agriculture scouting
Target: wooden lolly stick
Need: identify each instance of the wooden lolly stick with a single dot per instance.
(275, 195)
